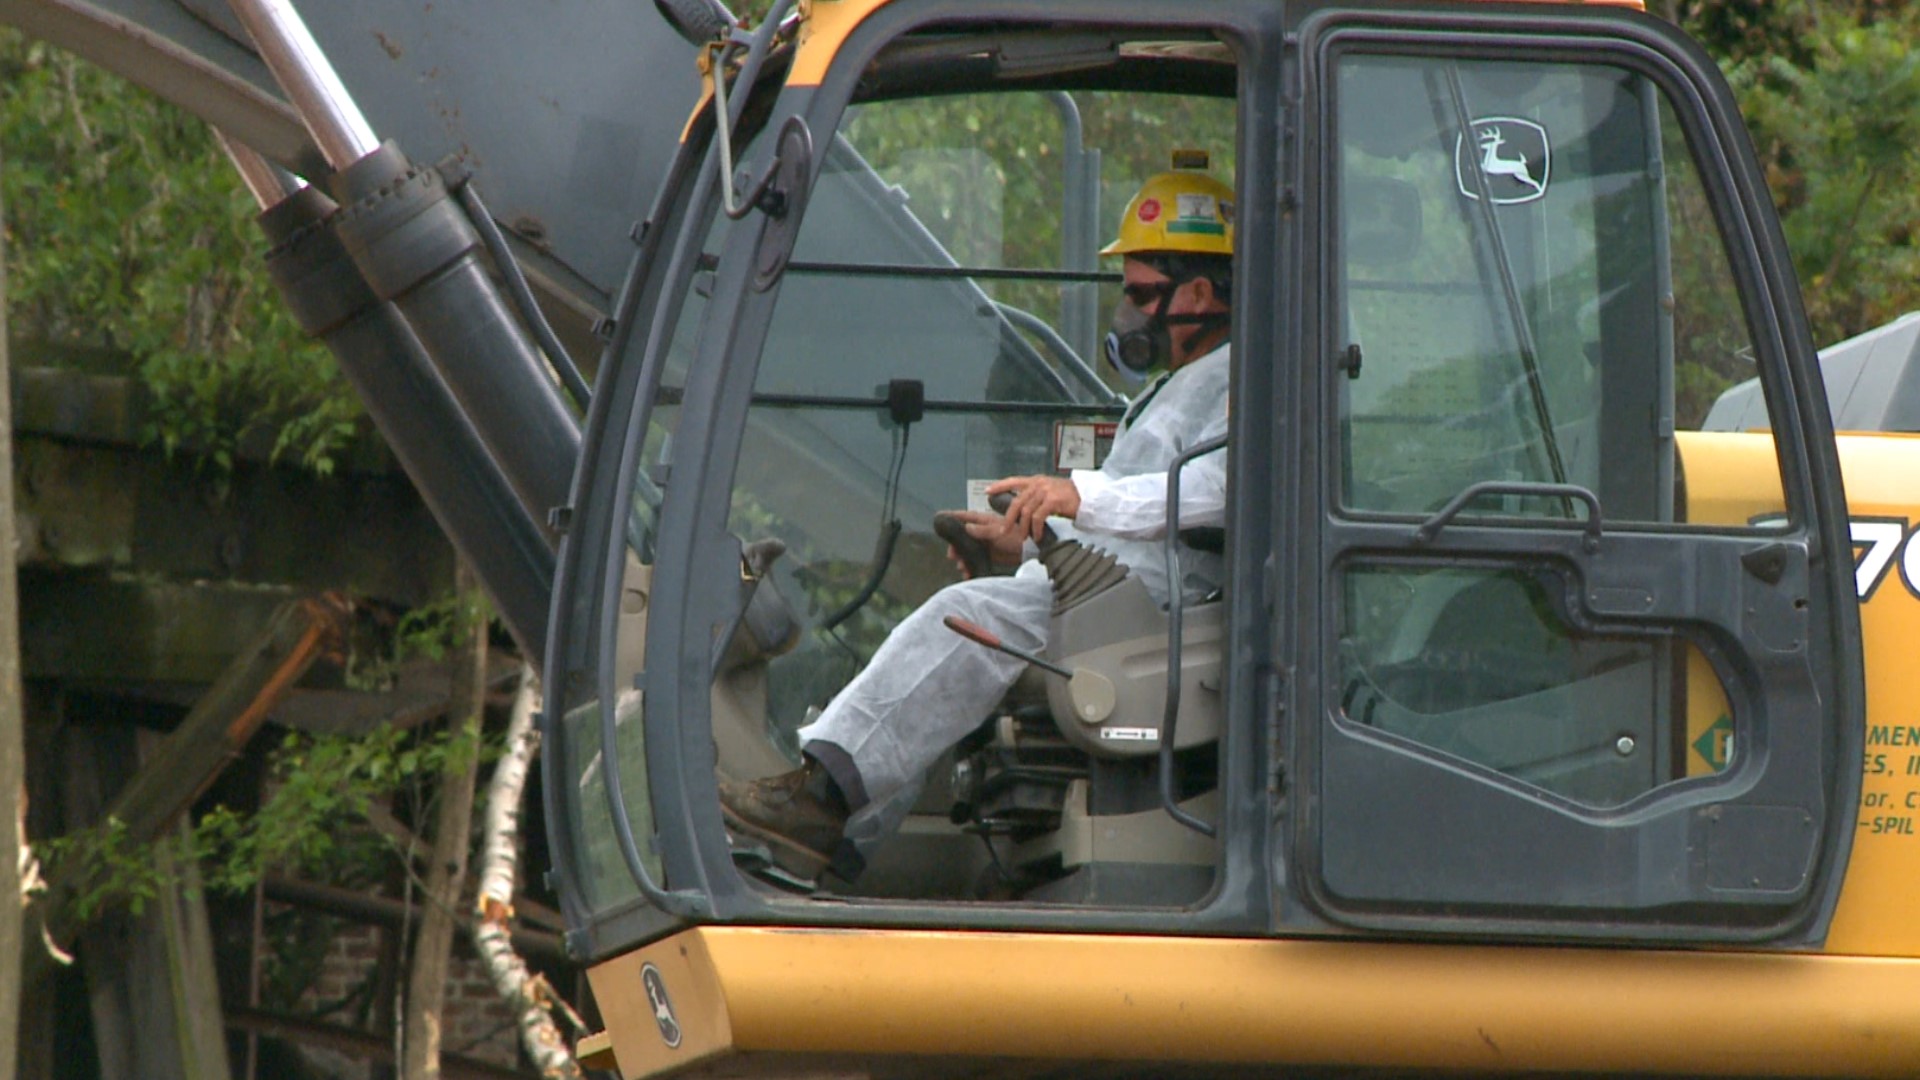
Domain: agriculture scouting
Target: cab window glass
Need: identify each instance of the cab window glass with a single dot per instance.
(950, 253)
(938, 328)
(1535, 299)
(1533, 288)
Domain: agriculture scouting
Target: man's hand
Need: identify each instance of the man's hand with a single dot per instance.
(1003, 543)
(1037, 498)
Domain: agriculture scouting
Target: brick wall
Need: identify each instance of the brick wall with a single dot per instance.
(477, 1023)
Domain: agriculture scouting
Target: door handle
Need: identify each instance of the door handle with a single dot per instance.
(1430, 528)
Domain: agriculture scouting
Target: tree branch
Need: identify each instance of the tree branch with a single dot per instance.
(500, 846)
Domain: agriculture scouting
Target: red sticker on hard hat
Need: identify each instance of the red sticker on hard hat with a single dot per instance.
(1149, 209)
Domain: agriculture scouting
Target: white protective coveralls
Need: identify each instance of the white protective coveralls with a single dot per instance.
(927, 687)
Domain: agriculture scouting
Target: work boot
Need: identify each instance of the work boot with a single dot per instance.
(801, 815)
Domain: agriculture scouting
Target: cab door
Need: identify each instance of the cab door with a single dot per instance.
(1551, 686)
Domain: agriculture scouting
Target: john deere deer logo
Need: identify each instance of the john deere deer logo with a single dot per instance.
(663, 1017)
(1511, 156)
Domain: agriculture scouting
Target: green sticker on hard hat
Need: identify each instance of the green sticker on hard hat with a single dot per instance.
(1197, 213)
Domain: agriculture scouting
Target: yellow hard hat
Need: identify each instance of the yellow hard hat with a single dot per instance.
(1180, 211)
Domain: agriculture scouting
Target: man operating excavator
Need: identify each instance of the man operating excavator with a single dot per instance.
(927, 687)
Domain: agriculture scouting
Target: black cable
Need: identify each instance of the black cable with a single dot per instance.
(882, 557)
(522, 294)
(889, 509)
(889, 533)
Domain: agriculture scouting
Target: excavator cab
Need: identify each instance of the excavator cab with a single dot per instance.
(1528, 713)
(1485, 665)
(937, 327)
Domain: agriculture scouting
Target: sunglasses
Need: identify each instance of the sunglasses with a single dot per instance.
(1144, 296)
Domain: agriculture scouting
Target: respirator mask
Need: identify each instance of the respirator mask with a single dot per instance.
(1138, 342)
(1140, 337)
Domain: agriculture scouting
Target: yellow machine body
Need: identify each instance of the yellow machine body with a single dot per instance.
(785, 995)
(1852, 1009)
(1876, 916)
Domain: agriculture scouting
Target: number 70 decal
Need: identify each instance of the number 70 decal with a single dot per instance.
(1878, 544)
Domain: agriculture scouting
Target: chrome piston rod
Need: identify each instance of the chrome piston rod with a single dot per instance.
(313, 87)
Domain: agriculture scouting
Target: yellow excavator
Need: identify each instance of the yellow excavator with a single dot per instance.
(1539, 726)
(1554, 715)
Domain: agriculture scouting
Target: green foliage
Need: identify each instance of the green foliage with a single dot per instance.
(428, 632)
(433, 630)
(323, 784)
(1831, 92)
(129, 232)
(322, 787)
(104, 868)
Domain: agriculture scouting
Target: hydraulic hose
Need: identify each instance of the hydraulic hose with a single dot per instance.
(496, 242)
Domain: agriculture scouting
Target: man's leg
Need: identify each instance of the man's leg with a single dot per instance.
(927, 687)
(923, 691)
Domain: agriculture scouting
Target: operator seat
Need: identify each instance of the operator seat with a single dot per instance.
(1110, 839)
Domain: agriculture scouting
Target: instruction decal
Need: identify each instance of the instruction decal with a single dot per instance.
(1082, 445)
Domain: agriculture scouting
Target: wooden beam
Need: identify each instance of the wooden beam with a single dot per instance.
(219, 727)
(385, 911)
(151, 988)
(191, 992)
(359, 1044)
(212, 735)
(13, 789)
(114, 632)
(94, 491)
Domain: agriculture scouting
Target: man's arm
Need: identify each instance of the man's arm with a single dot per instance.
(1135, 507)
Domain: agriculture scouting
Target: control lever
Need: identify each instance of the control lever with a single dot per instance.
(973, 554)
(1092, 693)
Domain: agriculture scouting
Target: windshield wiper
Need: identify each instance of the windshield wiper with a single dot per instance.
(1516, 310)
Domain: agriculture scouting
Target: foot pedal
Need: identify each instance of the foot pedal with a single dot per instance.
(757, 860)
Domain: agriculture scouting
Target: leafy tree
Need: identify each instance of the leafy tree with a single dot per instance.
(129, 235)
(1831, 93)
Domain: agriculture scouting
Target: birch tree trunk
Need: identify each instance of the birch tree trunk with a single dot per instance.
(499, 869)
(447, 866)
